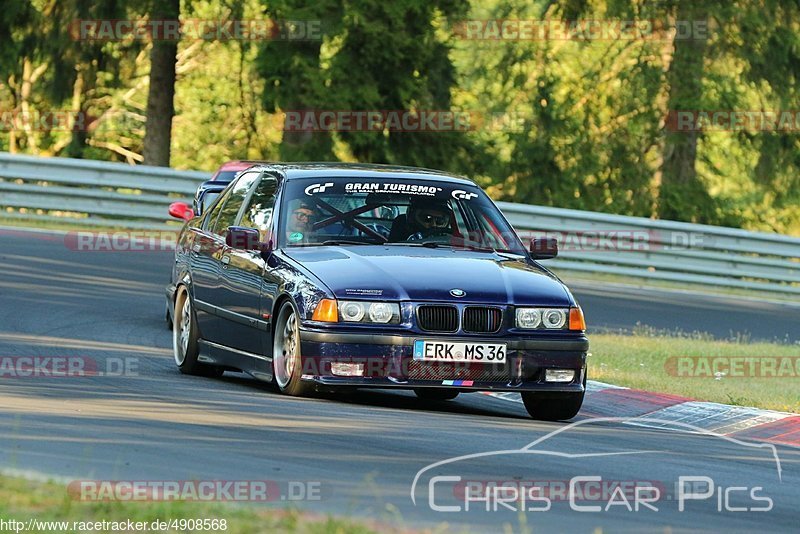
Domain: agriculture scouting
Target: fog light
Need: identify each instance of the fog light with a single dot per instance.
(347, 369)
(559, 375)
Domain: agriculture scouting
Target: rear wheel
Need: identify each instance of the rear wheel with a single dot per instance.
(553, 406)
(286, 361)
(436, 394)
(184, 339)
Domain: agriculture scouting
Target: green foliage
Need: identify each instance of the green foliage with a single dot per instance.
(590, 109)
(372, 56)
(572, 123)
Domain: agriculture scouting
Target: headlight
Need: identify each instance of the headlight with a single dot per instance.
(369, 312)
(381, 312)
(547, 318)
(554, 318)
(352, 311)
(529, 318)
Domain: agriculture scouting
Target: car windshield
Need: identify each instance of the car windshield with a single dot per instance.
(391, 211)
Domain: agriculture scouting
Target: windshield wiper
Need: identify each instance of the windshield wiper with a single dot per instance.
(475, 248)
(435, 244)
(344, 242)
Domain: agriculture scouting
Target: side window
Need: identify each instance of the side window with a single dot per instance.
(212, 215)
(208, 200)
(258, 213)
(233, 202)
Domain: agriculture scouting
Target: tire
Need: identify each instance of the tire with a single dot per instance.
(184, 339)
(167, 318)
(286, 360)
(436, 394)
(553, 406)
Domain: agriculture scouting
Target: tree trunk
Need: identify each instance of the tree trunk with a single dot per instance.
(78, 140)
(682, 195)
(160, 96)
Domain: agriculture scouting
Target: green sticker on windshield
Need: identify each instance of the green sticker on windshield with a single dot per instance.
(294, 237)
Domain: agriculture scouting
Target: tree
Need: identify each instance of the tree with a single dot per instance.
(371, 56)
(683, 196)
(161, 93)
(589, 109)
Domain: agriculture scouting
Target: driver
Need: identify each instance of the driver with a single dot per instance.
(425, 217)
(301, 222)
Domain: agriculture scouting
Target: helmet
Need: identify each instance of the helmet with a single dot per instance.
(427, 212)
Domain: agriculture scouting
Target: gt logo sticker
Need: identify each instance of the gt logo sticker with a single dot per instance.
(458, 194)
(318, 188)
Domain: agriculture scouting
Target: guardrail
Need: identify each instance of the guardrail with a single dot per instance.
(95, 193)
(663, 250)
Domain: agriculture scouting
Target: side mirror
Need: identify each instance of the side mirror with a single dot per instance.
(544, 248)
(243, 238)
(181, 210)
(266, 248)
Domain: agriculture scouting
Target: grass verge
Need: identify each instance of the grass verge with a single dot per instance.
(762, 375)
(23, 500)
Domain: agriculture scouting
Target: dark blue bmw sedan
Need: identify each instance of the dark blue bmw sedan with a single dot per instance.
(329, 276)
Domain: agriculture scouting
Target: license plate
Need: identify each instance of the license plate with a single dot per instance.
(449, 351)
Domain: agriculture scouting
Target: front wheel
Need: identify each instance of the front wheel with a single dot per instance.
(286, 361)
(554, 406)
(184, 339)
(436, 394)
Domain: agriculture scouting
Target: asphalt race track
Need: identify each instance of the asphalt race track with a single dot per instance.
(361, 451)
(617, 307)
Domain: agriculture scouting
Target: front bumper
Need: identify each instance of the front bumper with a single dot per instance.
(388, 362)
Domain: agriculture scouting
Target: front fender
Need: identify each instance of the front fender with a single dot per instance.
(304, 289)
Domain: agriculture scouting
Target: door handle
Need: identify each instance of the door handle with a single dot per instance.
(226, 259)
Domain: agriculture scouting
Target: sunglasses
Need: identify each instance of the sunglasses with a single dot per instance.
(303, 215)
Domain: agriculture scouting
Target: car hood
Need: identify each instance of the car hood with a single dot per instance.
(427, 274)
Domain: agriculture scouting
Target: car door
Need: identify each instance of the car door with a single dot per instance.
(204, 261)
(207, 257)
(241, 276)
